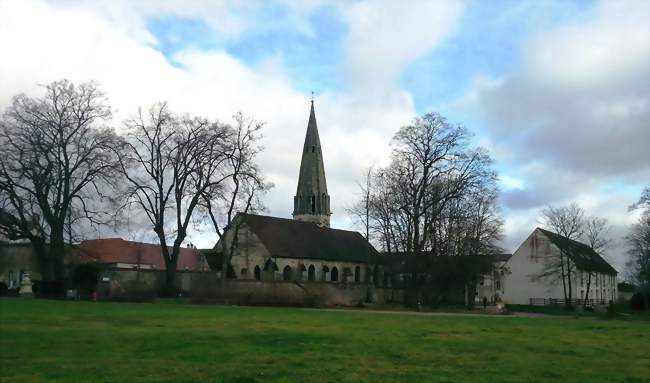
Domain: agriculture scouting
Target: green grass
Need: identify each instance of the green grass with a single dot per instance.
(57, 341)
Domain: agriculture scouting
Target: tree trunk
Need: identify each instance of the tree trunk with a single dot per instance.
(588, 288)
(170, 277)
(224, 259)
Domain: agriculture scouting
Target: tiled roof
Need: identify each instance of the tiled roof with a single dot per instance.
(117, 250)
(582, 255)
(289, 238)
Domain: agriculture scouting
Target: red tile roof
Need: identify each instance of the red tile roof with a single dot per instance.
(117, 250)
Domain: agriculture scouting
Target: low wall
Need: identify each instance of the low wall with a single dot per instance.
(207, 287)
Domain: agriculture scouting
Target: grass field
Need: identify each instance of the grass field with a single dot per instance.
(58, 341)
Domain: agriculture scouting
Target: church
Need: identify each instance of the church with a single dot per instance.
(304, 248)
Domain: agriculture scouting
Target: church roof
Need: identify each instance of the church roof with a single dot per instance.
(584, 257)
(311, 180)
(288, 238)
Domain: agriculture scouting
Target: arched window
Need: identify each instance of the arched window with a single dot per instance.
(301, 272)
(286, 273)
(313, 204)
(334, 274)
(243, 272)
(313, 149)
(326, 271)
(311, 273)
(258, 273)
(357, 274)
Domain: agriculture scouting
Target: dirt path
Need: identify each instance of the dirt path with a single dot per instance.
(428, 313)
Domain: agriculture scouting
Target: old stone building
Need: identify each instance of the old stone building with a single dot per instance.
(304, 248)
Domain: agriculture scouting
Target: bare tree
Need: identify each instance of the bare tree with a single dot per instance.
(360, 210)
(596, 235)
(240, 191)
(567, 221)
(170, 163)
(638, 242)
(56, 169)
(436, 198)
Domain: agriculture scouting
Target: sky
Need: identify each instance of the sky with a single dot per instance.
(557, 91)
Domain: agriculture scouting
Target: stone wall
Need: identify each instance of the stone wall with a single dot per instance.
(15, 259)
(120, 284)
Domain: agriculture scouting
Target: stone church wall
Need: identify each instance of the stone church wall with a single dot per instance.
(251, 253)
(206, 287)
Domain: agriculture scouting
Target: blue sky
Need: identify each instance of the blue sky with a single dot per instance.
(557, 91)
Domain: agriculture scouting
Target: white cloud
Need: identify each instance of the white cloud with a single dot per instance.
(43, 42)
(387, 35)
(572, 120)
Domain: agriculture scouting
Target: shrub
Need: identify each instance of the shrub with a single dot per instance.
(637, 302)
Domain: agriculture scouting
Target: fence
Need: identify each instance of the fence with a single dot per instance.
(562, 302)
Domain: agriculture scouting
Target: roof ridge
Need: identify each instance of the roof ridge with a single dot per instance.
(298, 222)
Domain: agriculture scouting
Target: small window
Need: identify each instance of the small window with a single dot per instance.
(243, 272)
(313, 149)
(357, 274)
(498, 285)
(334, 275)
(313, 204)
(257, 272)
(286, 273)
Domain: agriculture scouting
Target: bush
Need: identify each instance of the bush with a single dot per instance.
(84, 278)
(637, 302)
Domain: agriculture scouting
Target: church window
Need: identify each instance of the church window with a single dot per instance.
(313, 204)
(257, 272)
(313, 149)
(311, 273)
(334, 277)
(286, 273)
(357, 274)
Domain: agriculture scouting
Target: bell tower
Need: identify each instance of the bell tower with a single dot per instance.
(311, 202)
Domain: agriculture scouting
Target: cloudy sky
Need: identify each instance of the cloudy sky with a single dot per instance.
(558, 91)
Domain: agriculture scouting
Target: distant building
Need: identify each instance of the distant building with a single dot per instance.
(492, 286)
(304, 248)
(523, 284)
(270, 248)
(16, 259)
(121, 254)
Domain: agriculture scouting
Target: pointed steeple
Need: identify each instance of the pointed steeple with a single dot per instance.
(312, 203)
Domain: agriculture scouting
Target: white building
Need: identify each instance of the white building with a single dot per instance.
(491, 287)
(528, 281)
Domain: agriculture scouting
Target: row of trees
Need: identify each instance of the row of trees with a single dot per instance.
(63, 167)
(436, 199)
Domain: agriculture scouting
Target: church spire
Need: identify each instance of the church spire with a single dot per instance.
(312, 203)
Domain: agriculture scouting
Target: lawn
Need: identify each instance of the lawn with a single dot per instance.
(57, 341)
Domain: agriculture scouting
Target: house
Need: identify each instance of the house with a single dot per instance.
(528, 281)
(491, 287)
(121, 254)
